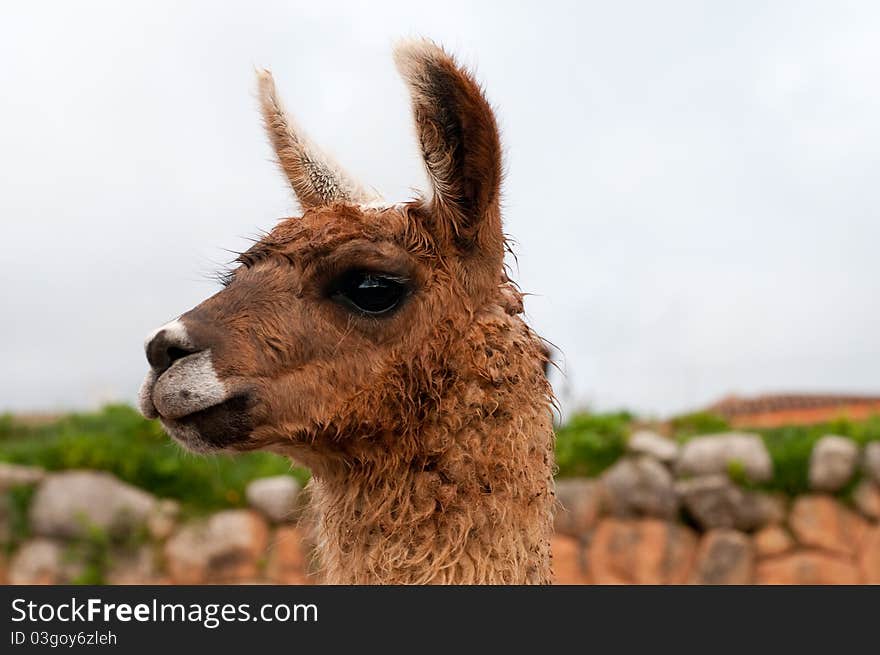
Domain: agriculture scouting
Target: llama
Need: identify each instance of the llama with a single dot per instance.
(383, 347)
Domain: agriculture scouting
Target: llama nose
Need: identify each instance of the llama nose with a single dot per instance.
(166, 347)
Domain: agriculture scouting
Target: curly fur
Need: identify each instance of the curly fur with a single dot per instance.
(456, 486)
(428, 430)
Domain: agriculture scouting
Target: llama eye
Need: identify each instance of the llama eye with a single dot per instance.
(370, 293)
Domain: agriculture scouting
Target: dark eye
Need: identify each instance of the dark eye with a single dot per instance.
(370, 293)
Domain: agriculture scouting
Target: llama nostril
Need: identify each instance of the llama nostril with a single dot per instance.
(165, 348)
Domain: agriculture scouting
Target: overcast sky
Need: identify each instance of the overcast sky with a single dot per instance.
(693, 187)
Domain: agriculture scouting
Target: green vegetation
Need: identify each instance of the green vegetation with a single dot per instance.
(736, 471)
(590, 443)
(790, 449)
(93, 552)
(697, 423)
(91, 555)
(119, 440)
(16, 502)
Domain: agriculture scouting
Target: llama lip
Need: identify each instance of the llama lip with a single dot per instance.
(189, 385)
(214, 428)
(145, 397)
(196, 409)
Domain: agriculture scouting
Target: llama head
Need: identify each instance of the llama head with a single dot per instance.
(338, 322)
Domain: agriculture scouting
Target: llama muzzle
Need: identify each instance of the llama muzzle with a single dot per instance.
(182, 379)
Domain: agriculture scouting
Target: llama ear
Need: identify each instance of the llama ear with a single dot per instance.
(459, 142)
(316, 179)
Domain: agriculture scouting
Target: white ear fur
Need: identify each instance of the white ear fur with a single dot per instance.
(315, 178)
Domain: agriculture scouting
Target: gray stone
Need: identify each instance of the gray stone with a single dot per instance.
(640, 486)
(68, 504)
(872, 461)
(715, 453)
(715, 502)
(866, 498)
(760, 509)
(274, 497)
(15, 475)
(832, 463)
(646, 442)
(580, 501)
(41, 561)
(163, 519)
(724, 557)
(226, 547)
(132, 567)
(712, 500)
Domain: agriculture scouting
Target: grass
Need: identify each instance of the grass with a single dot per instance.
(790, 448)
(590, 443)
(117, 439)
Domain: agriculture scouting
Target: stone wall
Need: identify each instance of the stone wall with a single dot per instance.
(663, 514)
(86, 526)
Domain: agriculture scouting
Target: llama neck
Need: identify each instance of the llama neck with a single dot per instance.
(466, 498)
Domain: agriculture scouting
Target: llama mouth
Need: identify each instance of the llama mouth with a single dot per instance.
(195, 407)
(189, 385)
(221, 426)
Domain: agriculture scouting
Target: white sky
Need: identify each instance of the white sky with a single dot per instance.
(693, 186)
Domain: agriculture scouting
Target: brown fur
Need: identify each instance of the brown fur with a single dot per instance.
(428, 431)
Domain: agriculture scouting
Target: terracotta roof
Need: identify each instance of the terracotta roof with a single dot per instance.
(733, 406)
